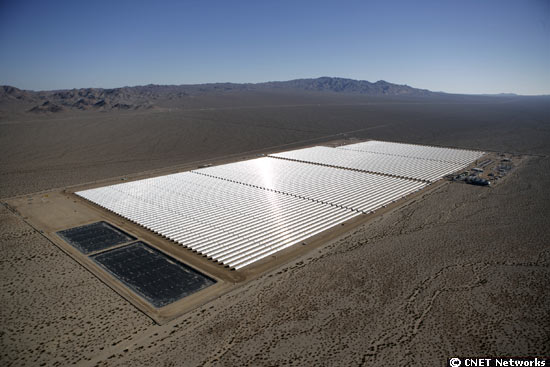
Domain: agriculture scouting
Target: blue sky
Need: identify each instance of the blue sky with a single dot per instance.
(480, 46)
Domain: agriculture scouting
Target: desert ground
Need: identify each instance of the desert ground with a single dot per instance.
(460, 271)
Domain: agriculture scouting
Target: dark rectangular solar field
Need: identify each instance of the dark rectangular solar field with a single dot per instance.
(94, 237)
(150, 273)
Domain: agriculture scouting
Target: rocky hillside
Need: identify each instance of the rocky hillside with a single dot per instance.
(145, 97)
(341, 85)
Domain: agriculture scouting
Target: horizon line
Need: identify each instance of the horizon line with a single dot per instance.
(503, 94)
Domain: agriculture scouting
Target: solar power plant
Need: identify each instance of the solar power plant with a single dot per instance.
(94, 237)
(239, 213)
(153, 275)
(407, 167)
(359, 191)
(228, 222)
(417, 151)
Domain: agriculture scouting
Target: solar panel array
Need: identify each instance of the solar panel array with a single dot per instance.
(231, 223)
(416, 151)
(353, 190)
(401, 166)
(239, 213)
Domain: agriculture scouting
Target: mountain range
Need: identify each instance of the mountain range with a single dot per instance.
(147, 96)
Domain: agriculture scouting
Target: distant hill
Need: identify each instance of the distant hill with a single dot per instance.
(500, 95)
(127, 98)
(46, 107)
(147, 96)
(341, 85)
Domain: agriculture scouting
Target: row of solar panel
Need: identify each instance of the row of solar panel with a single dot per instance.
(394, 165)
(229, 222)
(416, 151)
(348, 189)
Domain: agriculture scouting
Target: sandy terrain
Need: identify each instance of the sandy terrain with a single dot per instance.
(39, 153)
(463, 270)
